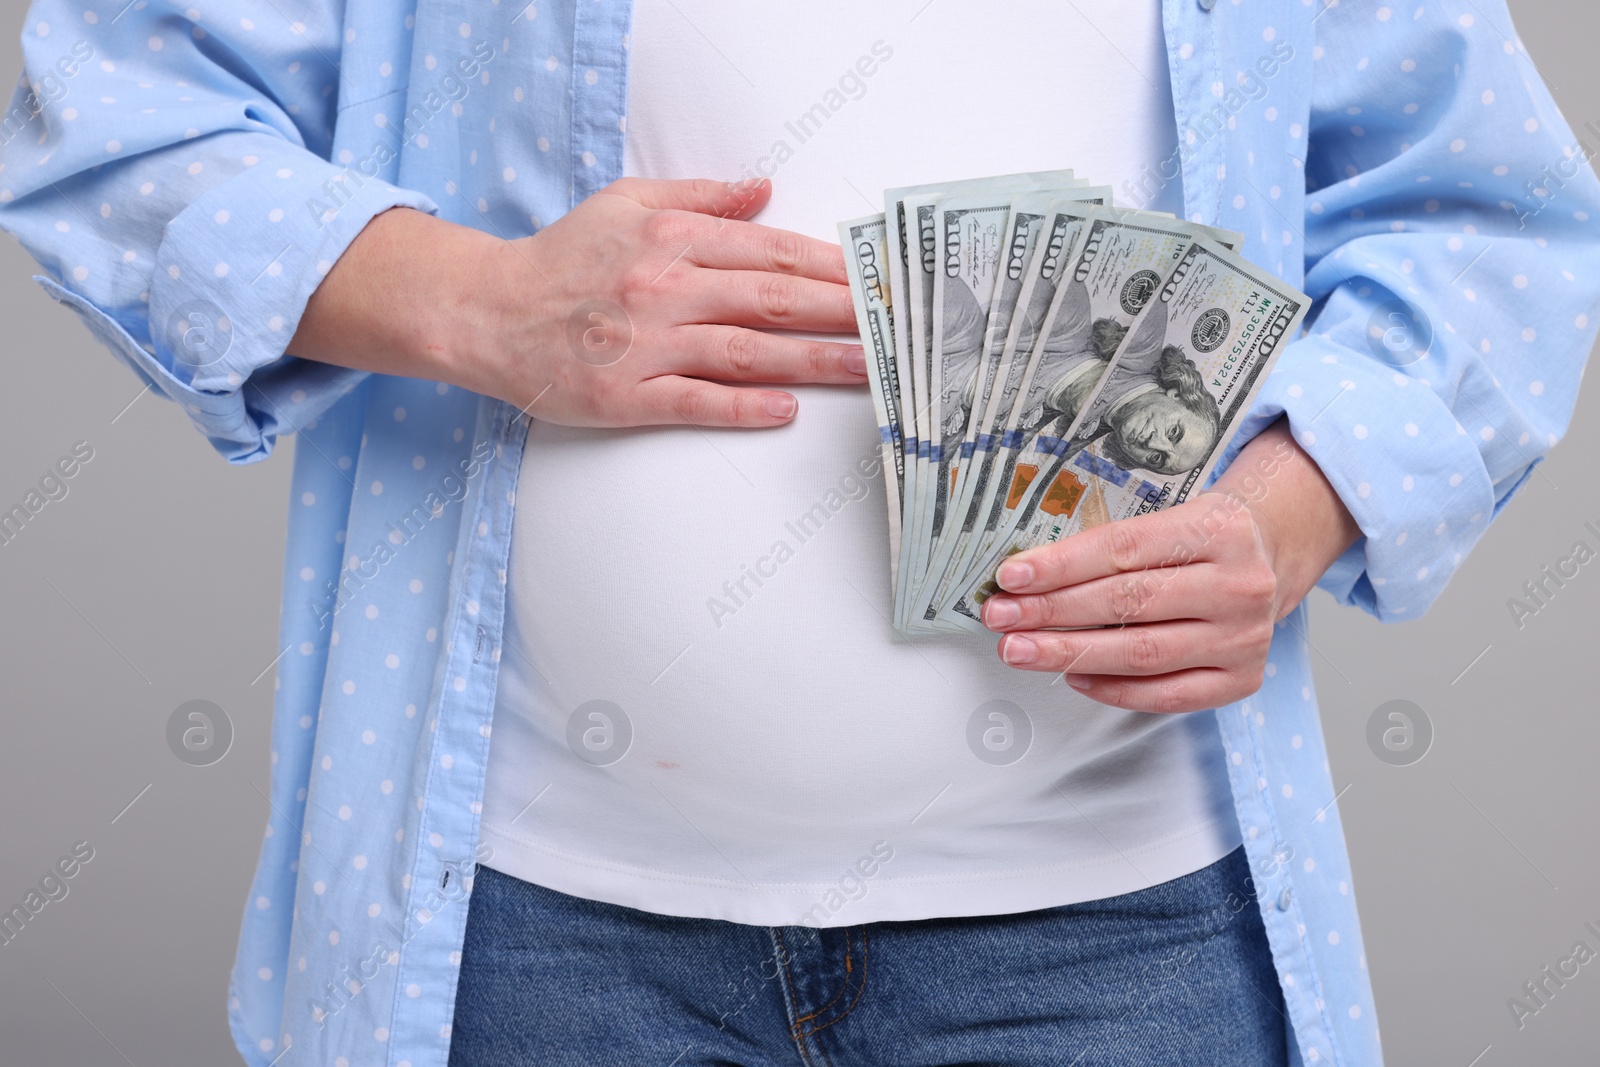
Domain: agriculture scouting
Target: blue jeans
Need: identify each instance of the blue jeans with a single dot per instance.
(1177, 973)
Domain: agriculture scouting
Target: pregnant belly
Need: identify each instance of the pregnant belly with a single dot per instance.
(724, 596)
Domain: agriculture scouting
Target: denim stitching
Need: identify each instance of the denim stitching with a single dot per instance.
(794, 1008)
(843, 989)
(860, 991)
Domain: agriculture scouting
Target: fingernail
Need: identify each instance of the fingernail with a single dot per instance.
(855, 360)
(1018, 650)
(1078, 682)
(1001, 612)
(749, 185)
(781, 406)
(1014, 575)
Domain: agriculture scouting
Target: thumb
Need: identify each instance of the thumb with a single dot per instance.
(728, 200)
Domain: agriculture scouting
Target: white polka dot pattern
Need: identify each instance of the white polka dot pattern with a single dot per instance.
(1401, 161)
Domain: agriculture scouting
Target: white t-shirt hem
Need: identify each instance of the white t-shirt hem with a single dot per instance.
(875, 897)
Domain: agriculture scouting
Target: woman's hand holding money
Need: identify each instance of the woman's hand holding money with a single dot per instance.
(1177, 607)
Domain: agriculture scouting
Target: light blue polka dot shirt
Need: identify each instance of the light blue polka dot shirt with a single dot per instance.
(186, 175)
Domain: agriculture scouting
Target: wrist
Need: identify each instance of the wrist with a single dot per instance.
(404, 298)
(446, 301)
(1301, 521)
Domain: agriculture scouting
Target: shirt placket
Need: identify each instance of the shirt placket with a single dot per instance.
(465, 685)
(1199, 23)
(458, 753)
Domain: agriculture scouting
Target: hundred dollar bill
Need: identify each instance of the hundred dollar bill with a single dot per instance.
(967, 242)
(1029, 211)
(867, 264)
(919, 314)
(1123, 258)
(1154, 427)
(909, 212)
(1056, 248)
(899, 260)
(967, 360)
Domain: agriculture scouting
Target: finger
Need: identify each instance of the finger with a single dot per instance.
(749, 246)
(1199, 689)
(732, 353)
(1196, 591)
(671, 400)
(705, 196)
(1136, 651)
(756, 298)
(1161, 539)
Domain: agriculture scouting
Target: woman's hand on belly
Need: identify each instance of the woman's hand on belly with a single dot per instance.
(1183, 601)
(641, 306)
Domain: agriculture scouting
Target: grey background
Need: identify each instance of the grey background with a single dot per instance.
(156, 581)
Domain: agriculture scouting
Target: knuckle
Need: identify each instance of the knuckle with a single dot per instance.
(727, 407)
(1252, 682)
(1236, 537)
(775, 297)
(1127, 597)
(667, 229)
(844, 306)
(635, 280)
(743, 407)
(743, 352)
(1234, 525)
(1167, 697)
(1259, 643)
(1123, 546)
(1045, 610)
(1117, 694)
(1144, 651)
(1065, 654)
(1258, 586)
(1238, 686)
(785, 252)
(694, 403)
(820, 360)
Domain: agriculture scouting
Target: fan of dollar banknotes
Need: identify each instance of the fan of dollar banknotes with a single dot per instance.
(1043, 362)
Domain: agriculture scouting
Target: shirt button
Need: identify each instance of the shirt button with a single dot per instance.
(1283, 898)
(1207, 5)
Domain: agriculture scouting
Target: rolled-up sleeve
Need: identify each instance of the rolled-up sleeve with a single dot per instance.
(170, 170)
(1453, 260)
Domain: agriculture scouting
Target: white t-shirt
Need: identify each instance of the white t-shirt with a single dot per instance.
(702, 707)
